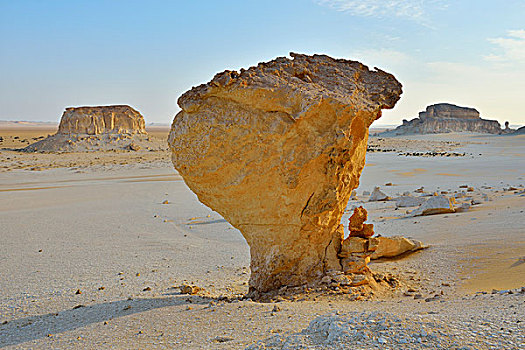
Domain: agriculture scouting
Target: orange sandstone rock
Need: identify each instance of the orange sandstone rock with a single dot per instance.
(277, 150)
(357, 219)
(357, 227)
(366, 232)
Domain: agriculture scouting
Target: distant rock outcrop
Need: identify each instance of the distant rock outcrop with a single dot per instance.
(277, 150)
(120, 119)
(520, 131)
(101, 128)
(444, 118)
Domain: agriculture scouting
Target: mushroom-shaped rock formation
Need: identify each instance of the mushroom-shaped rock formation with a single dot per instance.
(277, 150)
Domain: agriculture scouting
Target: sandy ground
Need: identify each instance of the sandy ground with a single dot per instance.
(96, 224)
(13, 137)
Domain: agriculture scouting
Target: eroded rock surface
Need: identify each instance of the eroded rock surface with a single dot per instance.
(277, 150)
(120, 119)
(444, 118)
(101, 128)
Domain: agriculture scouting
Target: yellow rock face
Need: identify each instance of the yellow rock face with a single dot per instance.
(101, 120)
(277, 150)
(394, 246)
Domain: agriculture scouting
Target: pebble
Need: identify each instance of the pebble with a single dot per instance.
(222, 339)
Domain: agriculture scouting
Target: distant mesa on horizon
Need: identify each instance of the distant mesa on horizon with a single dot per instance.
(446, 118)
(96, 128)
(116, 119)
(158, 124)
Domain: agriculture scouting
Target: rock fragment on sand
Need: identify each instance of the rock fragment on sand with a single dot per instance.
(134, 147)
(277, 150)
(389, 247)
(463, 207)
(189, 289)
(434, 205)
(378, 195)
(408, 201)
(221, 339)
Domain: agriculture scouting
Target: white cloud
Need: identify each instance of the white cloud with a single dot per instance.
(510, 49)
(412, 9)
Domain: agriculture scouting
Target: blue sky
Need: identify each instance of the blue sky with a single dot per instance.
(55, 54)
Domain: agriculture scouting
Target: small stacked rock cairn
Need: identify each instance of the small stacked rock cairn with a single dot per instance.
(360, 247)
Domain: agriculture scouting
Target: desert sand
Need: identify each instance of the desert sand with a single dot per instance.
(96, 245)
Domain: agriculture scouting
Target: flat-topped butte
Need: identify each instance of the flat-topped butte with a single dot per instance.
(445, 118)
(97, 128)
(117, 119)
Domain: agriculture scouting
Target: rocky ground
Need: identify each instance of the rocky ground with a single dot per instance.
(94, 253)
(82, 154)
(423, 329)
(418, 148)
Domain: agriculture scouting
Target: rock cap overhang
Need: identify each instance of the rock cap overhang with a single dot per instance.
(314, 78)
